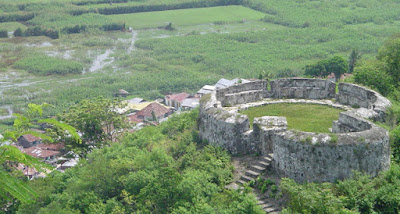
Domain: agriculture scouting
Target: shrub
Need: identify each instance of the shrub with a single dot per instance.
(3, 34)
(18, 32)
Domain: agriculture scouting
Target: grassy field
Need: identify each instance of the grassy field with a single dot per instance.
(207, 44)
(11, 26)
(185, 17)
(302, 117)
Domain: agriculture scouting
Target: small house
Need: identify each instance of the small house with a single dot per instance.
(29, 140)
(122, 93)
(154, 111)
(175, 100)
(207, 89)
(190, 103)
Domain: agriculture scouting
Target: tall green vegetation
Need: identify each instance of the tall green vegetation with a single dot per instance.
(162, 169)
(44, 65)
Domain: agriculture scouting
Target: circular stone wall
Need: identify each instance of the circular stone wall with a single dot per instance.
(354, 144)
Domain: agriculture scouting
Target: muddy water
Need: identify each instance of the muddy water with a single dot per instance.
(100, 61)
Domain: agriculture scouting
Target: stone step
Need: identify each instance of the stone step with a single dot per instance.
(241, 182)
(252, 174)
(246, 178)
(257, 168)
(263, 164)
(266, 205)
(266, 159)
(260, 202)
(271, 155)
(270, 209)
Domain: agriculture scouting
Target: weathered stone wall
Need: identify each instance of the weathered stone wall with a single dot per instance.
(302, 88)
(320, 157)
(358, 96)
(242, 93)
(223, 128)
(355, 144)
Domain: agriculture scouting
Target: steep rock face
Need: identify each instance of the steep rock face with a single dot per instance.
(354, 144)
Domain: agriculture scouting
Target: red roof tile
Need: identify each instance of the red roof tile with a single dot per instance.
(54, 147)
(36, 152)
(134, 119)
(157, 108)
(177, 97)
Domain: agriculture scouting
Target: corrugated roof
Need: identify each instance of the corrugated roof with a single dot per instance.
(177, 97)
(55, 147)
(157, 108)
(191, 102)
(37, 152)
(224, 83)
(136, 100)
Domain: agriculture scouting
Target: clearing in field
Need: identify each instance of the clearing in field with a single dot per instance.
(184, 17)
(302, 117)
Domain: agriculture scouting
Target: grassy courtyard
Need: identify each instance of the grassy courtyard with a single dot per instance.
(302, 117)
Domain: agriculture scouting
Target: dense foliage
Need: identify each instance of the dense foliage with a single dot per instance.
(98, 122)
(160, 169)
(383, 73)
(336, 65)
(361, 194)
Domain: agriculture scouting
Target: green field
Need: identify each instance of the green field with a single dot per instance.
(302, 117)
(186, 17)
(11, 26)
(207, 44)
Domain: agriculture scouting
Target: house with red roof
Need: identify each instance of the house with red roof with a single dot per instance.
(175, 100)
(153, 111)
(48, 156)
(29, 140)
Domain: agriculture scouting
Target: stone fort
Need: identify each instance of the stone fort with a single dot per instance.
(355, 142)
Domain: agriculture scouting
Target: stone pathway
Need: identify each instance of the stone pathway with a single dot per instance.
(252, 174)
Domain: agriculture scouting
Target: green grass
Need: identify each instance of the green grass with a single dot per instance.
(11, 26)
(302, 117)
(186, 17)
(45, 65)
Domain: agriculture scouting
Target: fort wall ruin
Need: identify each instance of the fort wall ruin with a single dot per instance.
(355, 143)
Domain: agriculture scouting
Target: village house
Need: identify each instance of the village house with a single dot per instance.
(190, 103)
(207, 89)
(46, 155)
(175, 100)
(29, 140)
(224, 83)
(122, 93)
(154, 111)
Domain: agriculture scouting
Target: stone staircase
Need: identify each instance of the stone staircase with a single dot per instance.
(252, 174)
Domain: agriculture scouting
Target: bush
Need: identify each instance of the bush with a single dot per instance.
(18, 32)
(323, 68)
(372, 73)
(3, 34)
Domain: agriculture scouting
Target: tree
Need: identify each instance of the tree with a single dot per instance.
(372, 73)
(9, 185)
(389, 53)
(97, 120)
(323, 68)
(354, 57)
